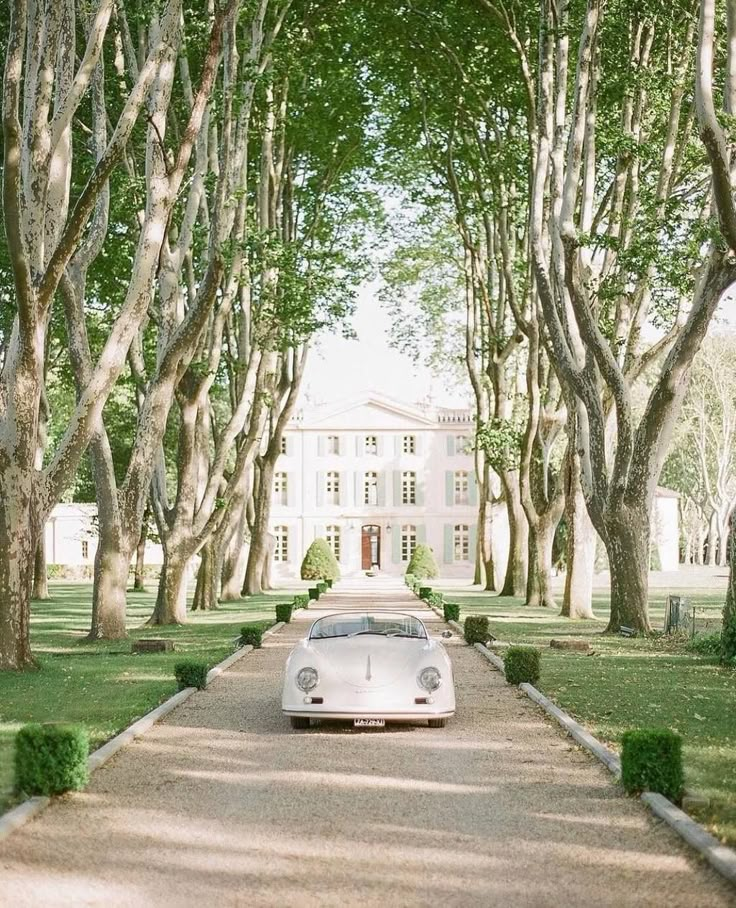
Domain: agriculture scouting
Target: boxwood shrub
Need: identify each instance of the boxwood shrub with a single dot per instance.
(475, 629)
(451, 611)
(251, 635)
(51, 759)
(301, 601)
(522, 664)
(191, 673)
(322, 587)
(283, 612)
(409, 580)
(425, 592)
(313, 593)
(436, 599)
(651, 760)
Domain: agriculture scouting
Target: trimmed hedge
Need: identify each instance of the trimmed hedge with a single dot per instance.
(51, 759)
(322, 587)
(451, 611)
(651, 760)
(301, 601)
(313, 593)
(251, 635)
(329, 581)
(283, 612)
(436, 599)
(422, 563)
(522, 664)
(425, 592)
(191, 673)
(319, 562)
(475, 629)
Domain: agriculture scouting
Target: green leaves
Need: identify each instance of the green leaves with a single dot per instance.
(500, 439)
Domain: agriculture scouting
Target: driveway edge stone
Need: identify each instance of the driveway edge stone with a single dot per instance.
(22, 813)
(721, 858)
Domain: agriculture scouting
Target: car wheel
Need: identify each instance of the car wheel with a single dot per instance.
(299, 721)
(437, 723)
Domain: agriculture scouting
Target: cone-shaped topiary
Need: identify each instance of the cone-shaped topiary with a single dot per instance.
(319, 562)
(422, 563)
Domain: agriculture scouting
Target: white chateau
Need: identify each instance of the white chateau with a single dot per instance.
(375, 477)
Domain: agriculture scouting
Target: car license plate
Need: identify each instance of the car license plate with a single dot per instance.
(369, 723)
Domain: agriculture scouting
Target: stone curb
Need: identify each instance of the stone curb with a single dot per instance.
(720, 857)
(18, 816)
(575, 730)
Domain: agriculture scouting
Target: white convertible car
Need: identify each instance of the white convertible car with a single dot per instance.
(371, 668)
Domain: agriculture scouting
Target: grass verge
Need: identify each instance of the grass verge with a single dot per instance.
(630, 683)
(102, 685)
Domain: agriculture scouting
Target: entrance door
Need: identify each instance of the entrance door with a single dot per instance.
(370, 547)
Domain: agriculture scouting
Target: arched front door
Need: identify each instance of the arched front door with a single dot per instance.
(370, 547)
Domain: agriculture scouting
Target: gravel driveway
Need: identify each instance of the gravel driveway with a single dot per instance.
(223, 804)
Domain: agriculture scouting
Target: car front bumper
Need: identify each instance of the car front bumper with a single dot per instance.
(314, 712)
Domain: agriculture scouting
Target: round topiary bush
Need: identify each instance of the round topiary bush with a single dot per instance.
(522, 664)
(284, 611)
(451, 611)
(475, 629)
(51, 759)
(191, 673)
(319, 563)
(251, 635)
(422, 563)
(651, 760)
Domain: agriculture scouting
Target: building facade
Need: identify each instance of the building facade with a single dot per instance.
(375, 477)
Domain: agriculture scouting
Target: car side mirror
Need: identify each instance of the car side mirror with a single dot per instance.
(446, 634)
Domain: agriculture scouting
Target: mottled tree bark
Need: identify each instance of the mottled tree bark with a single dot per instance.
(577, 601)
(514, 583)
(40, 576)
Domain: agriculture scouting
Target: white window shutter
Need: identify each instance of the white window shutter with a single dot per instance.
(449, 530)
(396, 544)
(358, 445)
(421, 533)
(321, 445)
(473, 541)
(418, 444)
(472, 489)
(320, 489)
(342, 496)
(449, 488)
(451, 445)
(397, 487)
(419, 491)
(359, 488)
(381, 490)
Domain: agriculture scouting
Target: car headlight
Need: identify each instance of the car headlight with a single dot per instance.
(429, 678)
(307, 679)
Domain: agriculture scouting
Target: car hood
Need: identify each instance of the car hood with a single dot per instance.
(371, 661)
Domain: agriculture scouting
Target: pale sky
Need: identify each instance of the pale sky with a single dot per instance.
(339, 368)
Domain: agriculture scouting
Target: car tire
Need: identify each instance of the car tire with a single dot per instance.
(299, 721)
(437, 723)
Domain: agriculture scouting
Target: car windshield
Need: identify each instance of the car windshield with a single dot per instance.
(383, 625)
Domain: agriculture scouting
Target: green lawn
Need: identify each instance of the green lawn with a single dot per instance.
(635, 682)
(102, 685)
